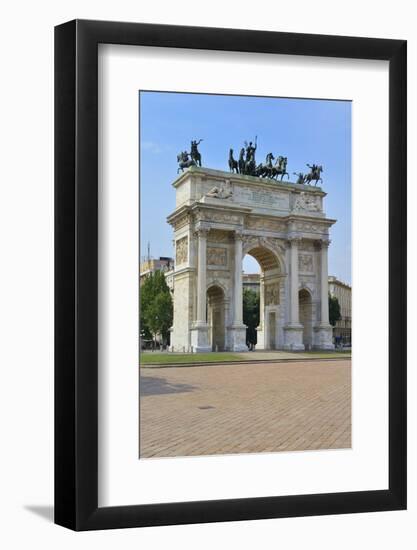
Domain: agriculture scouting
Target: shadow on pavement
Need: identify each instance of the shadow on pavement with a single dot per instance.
(150, 385)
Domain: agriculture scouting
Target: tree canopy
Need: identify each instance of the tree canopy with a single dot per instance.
(334, 310)
(156, 311)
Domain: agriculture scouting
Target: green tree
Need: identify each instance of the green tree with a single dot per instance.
(250, 313)
(156, 309)
(334, 310)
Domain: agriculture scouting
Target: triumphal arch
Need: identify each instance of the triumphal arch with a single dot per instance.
(219, 217)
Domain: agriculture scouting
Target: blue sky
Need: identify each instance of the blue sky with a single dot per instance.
(304, 130)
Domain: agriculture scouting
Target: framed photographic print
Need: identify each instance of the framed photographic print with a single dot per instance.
(230, 275)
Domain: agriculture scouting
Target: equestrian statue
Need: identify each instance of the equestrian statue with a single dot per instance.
(314, 174)
(193, 158)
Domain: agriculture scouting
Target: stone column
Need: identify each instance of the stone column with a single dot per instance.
(261, 327)
(294, 316)
(238, 313)
(199, 331)
(238, 329)
(202, 277)
(323, 332)
(324, 284)
(293, 331)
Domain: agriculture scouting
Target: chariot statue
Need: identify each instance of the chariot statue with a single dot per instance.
(250, 162)
(300, 177)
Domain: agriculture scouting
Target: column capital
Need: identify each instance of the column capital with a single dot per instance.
(293, 240)
(325, 243)
(238, 235)
(202, 231)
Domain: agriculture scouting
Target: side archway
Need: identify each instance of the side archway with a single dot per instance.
(306, 316)
(216, 317)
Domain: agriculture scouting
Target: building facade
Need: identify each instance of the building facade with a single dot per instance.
(251, 281)
(342, 332)
(150, 265)
(219, 217)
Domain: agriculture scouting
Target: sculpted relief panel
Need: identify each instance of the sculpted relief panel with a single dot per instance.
(308, 202)
(305, 263)
(216, 256)
(272, 294)
(181, 251)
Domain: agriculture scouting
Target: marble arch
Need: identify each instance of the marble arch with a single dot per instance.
(218, 218)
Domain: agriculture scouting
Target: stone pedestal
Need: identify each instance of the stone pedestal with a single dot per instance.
(237, 338)
(323, 337)
(293, 337)
(200, 337)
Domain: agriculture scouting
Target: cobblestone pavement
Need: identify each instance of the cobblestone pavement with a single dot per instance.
(226, 409)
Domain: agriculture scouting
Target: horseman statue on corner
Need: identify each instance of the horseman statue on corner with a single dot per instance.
(193, 158)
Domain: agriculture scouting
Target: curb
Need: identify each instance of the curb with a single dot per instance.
(242, 362)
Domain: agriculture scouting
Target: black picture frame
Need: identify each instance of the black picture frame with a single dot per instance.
(76, 272)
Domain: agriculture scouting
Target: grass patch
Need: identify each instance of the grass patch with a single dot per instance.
(169, 358)
(325, 354)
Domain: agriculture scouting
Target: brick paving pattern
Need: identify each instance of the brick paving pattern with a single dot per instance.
(228, 409)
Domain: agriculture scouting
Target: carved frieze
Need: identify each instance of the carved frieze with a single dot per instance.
(307, 246)
(216, 256)
(213, 273)
(217, 236)
(308, 227)
(222, 217)
(265, 224)
(182, 222)
(181, 251)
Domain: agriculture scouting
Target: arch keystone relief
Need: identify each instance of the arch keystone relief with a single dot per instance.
(284, 229)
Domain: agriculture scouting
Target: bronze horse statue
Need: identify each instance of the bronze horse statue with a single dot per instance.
(233, 165)
(280, 168)
(265, 170)
(184, 161)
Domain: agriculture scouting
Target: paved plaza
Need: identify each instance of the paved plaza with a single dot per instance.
(245, 408)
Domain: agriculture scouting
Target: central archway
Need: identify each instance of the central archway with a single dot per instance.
(271, 307)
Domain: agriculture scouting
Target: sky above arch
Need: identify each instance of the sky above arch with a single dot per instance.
(304, 130)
